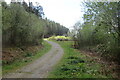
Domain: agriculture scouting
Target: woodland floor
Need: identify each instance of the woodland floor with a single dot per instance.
(51, 64)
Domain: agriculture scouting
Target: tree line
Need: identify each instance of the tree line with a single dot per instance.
(100, 31)
(24, 25)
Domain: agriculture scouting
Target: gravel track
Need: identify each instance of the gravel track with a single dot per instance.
(40, 67)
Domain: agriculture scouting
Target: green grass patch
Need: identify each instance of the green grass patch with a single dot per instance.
(20, 63)
(76, 65)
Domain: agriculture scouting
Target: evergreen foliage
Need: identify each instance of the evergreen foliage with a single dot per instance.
(23, 25)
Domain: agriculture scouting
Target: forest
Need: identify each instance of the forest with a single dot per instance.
(91, 49)
(24, 25)
(100, 32)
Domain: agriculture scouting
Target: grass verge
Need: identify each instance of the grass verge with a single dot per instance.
(76, 65)
(20, 63)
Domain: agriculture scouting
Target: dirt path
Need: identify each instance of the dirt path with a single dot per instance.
(40, 67)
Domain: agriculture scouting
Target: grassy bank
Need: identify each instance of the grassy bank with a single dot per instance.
(76, 65)
(20, 63)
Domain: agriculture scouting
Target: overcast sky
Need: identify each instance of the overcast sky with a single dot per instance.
(65, 12)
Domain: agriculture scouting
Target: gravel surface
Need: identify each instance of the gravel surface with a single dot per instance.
(40, 67)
